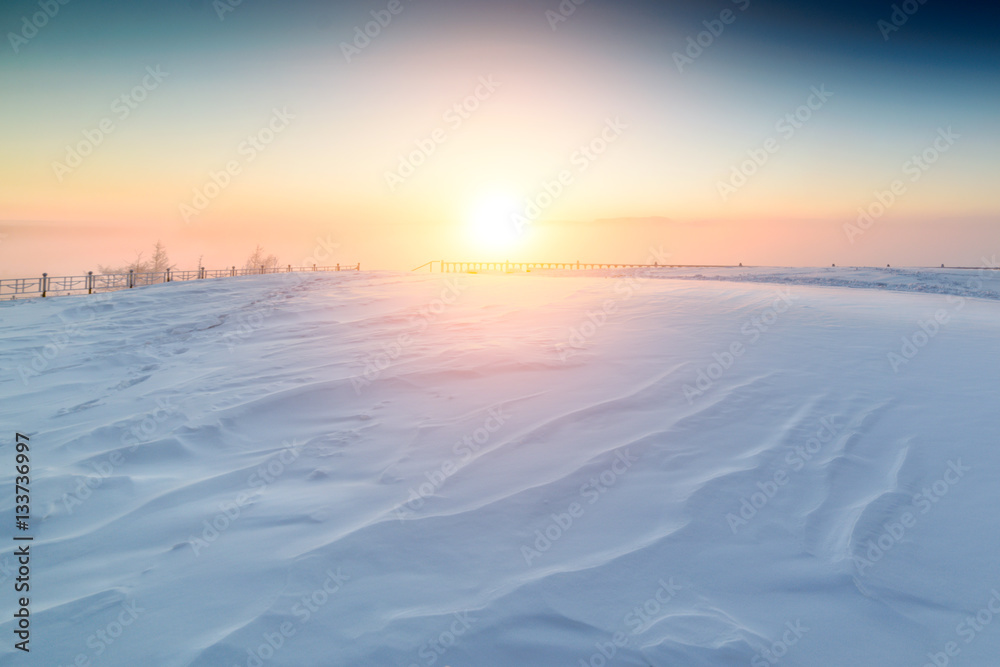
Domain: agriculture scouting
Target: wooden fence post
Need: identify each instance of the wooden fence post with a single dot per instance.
(132, 277)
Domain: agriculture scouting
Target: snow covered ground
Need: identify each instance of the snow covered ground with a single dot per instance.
(705, 467)
(980, 281)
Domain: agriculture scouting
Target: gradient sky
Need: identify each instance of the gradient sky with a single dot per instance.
(680, 132)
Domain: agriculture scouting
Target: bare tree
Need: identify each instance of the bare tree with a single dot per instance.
(160, 261)
(138, 265)
(258, 259)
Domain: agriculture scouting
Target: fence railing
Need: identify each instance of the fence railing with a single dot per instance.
(511, 267)
(461, 267)
(47, 285)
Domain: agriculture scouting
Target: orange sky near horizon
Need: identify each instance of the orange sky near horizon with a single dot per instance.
(479, 135)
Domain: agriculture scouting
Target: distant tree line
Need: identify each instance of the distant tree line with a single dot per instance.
(159, 262)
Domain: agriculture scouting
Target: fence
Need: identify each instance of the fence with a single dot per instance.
(509, 267)
(48, 285)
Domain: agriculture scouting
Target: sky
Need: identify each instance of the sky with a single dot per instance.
(394, 132)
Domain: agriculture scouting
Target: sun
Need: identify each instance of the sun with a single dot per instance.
(492, 222)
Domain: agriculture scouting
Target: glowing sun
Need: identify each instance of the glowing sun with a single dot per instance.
(492, 222)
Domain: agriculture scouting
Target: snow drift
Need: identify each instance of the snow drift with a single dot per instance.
(739, 467)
